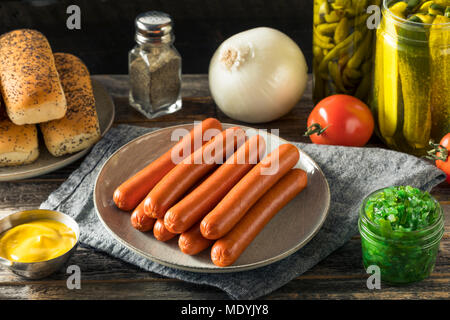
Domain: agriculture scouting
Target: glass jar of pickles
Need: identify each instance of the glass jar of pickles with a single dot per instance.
(342, 48)
(411, 83)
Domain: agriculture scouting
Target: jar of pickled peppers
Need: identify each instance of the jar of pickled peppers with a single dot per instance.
(410, 96)
(342, 48)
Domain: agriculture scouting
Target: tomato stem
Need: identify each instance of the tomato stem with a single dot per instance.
(437, 148)
(315, 128)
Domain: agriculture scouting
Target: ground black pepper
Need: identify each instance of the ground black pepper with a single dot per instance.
(155, 78)
(155, 66)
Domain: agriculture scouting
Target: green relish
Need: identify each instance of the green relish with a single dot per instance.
(401, 228)
(402, 208)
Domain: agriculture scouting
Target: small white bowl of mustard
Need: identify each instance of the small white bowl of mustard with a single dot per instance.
(37, 243)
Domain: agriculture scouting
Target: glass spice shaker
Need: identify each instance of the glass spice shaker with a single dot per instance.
(154, 66)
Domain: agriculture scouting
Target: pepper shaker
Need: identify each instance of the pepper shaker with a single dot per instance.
(155, 66)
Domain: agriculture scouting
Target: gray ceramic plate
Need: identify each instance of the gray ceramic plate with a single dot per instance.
(293, 227)
(46, 162)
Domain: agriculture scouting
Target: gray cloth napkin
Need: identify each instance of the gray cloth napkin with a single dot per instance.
(352, 173)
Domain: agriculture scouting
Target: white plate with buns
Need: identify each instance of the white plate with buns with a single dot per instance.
(51, 111)
(46, 162)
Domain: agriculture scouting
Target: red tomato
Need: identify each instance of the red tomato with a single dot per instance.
(340, 120)
(442, 153)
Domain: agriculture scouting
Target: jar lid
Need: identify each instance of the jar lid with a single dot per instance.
(153, 26)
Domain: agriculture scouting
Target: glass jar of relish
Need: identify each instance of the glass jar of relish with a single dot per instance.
(401, 228)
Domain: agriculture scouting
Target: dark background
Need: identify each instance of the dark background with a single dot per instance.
(107, 26)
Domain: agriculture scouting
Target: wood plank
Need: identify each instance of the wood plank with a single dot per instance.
(339, 276)
(329, 280)
(16, 196)
(343, 263)
(176, 290)
(128, 289)
(193, 85)
(442, 192)
(346, 261)
(324, 289)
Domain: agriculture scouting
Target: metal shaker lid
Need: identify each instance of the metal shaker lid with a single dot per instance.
(154, 27)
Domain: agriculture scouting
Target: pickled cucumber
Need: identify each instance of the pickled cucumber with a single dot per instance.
(411, 83)
(388, 71)
(340, 31)
(414, 72)
(440, 78)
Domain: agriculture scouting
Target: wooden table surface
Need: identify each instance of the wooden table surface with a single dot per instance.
(339, 276)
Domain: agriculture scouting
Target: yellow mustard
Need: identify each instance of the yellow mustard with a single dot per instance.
(35, 241)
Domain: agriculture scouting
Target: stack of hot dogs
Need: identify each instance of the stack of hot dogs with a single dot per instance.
(218, 192)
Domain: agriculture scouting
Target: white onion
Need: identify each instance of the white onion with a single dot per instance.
(257, 75)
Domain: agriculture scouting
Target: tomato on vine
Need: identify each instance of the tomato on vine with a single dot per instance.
(340, 120)
(440, 153)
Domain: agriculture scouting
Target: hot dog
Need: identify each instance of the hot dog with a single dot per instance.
(131, 192)
(140, 221)
(205, 197)
(192, 242)
(160, 232)
(185, 174)
(247, 191)
(227, 250)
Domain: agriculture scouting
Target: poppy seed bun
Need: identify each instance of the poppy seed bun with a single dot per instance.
(29, 81)
(18, 144)
(79, 128)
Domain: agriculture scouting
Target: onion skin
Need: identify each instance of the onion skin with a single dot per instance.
(258, 75)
